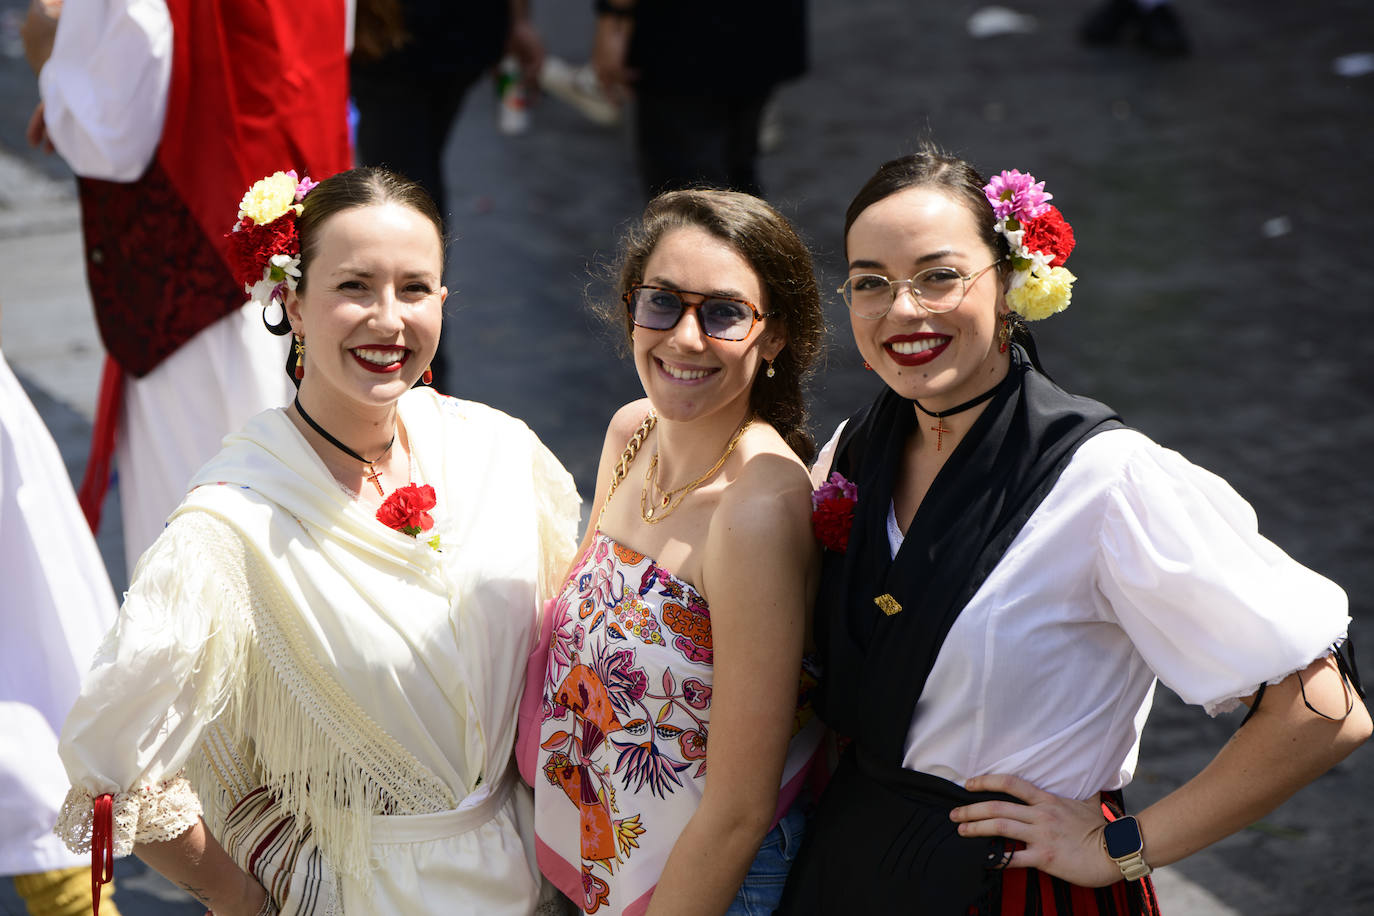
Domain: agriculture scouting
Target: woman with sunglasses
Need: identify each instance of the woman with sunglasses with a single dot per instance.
(1007, 571)
(677, 639)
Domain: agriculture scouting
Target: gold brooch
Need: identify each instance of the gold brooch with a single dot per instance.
(887, 604)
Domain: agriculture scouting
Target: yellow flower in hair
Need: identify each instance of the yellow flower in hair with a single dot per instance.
(1041, 296)
(270, 198)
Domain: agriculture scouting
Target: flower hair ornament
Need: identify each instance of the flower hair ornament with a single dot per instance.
(264, 246)
(1040, 240)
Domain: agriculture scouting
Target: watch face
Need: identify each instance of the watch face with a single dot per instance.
(1122, 837)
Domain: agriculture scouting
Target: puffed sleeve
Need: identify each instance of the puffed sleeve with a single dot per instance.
(159, 677)
(105, 87)
(1214, 608)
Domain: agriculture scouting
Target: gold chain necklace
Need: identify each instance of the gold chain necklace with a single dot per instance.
(666, 501)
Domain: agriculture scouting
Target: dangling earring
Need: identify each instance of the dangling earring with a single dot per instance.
(867, 366)
(1004, 333)
(299, 371)
(770, 373)
(428, 377)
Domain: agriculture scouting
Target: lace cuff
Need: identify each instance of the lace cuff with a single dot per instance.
(152, 814)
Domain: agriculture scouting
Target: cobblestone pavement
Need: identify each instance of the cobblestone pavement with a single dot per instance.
(1222, 303)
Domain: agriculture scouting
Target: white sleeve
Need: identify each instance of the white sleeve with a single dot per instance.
(820, 471)
(105, 87)
(158, 680)
(1214, 608)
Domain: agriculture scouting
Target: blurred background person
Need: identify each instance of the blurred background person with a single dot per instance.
(1152, 24)
(412, 64)
(166, 110)
(701, 75)
(55, 604)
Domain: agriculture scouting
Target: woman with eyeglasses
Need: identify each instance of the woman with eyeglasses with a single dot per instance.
(677, 640)
(1007, 571)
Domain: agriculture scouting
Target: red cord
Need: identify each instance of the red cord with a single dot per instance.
(102, 848)
(96, 482)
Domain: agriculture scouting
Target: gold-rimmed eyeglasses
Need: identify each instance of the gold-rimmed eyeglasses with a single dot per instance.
(937, 289)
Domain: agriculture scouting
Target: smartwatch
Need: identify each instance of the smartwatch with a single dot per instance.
(1124, 845)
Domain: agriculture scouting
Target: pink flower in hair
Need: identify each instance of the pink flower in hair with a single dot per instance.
(305, 187)
(1016, 195)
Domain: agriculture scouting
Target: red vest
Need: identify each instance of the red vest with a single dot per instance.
(258, 86)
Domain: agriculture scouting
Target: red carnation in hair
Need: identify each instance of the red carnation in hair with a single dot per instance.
(251, 246)
(1050, 234)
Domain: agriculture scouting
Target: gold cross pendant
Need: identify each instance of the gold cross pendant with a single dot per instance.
(373, 476)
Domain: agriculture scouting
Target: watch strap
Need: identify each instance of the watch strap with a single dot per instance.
(1133, 867)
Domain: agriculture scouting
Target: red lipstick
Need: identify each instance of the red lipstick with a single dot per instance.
(401, 355)
(935, 345)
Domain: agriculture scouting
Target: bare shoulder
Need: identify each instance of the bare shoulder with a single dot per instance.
(772, 489)
(760, 533)
(624, 423)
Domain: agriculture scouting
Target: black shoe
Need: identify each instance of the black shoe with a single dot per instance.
(1105, 25)
(1161, 32)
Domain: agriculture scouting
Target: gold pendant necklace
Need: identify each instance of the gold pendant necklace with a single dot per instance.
(665, 502)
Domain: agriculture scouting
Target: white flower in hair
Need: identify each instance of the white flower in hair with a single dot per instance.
(285, 269)
(1013, 236)
(261, 294)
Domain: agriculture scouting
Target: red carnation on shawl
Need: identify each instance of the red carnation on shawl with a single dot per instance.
(1050, 234)
(407, 509)
(252, 246)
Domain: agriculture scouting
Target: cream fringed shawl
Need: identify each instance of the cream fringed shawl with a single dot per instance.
(278, 634)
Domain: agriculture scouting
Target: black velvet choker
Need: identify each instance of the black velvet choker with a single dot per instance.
(939, 429)
(372, 473)
(971, 402)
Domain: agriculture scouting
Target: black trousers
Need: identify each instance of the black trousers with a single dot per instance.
(686, 141)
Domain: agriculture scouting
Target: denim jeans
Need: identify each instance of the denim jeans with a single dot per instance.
(762, 887)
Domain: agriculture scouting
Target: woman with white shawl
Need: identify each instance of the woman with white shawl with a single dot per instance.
(308, 701)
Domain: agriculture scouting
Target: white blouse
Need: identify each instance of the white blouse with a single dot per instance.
(1137, 565)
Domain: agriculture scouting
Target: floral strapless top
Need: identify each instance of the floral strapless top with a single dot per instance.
(626, 719)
